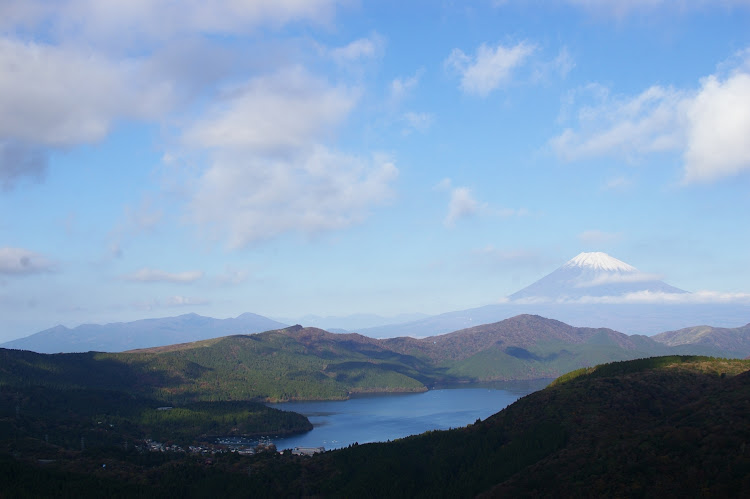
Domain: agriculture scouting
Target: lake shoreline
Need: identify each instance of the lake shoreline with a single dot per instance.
(380, 417)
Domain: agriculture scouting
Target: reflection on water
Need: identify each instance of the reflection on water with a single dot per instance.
(364, 419)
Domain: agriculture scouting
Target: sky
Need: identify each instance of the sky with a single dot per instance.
(294, 157)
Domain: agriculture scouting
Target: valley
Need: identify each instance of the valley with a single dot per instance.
(160, 416)
(685, 431)
(374, 249)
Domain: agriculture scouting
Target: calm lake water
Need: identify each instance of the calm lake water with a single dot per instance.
(383, 417)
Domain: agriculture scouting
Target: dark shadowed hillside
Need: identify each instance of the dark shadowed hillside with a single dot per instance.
(659, 427)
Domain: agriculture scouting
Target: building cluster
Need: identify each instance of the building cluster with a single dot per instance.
(224, 446)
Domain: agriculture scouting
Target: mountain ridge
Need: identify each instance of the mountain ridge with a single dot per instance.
(727, 340)
(298, 363)
(593, 272)
(142, 333)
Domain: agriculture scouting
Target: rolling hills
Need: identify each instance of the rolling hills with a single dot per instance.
(298, 363)
(683, 414)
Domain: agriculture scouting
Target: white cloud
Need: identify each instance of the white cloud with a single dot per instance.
(77, 84)
(244, 199)
(462, 205)
(444, 185)
(709, 127)
(400, 88)
(273, 114)
(560, 66)
(270, 171)
(631, 127)
(718, 143)
(647, 297)
(491, 67)
(19, 261)
(564, 62)
(55, 96)
(700, 297)
(363, 48)
(156, 275)
(154, 20)
(619, 278)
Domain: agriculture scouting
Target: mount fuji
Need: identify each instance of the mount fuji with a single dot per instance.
(592, 289)
(592, 274)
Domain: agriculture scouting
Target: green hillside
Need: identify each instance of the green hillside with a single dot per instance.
(288, 364)
(299, 363)
(667, 426)
(672, 426)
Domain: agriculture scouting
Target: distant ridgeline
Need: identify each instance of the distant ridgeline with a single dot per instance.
(670, 426)
(299, 363)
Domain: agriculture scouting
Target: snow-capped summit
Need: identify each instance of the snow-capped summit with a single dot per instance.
(599, 261)
(593, 274)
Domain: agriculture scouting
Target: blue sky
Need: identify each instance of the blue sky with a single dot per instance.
(336, 157)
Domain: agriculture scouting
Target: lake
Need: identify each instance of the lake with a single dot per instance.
(383, 417)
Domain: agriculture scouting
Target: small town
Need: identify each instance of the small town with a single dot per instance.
(225, 445)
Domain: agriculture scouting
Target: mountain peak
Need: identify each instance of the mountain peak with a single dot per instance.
(593, 274)
(600, 261)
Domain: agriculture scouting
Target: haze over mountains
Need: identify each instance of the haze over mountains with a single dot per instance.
(590, 290)
(121, 336)
(351, 322)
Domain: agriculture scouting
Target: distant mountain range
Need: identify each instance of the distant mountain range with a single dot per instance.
(592, 289)
(121, 336)
(309, 363)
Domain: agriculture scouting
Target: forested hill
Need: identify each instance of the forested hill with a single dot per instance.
(298, 363)
(657, 427)
(667, 426)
